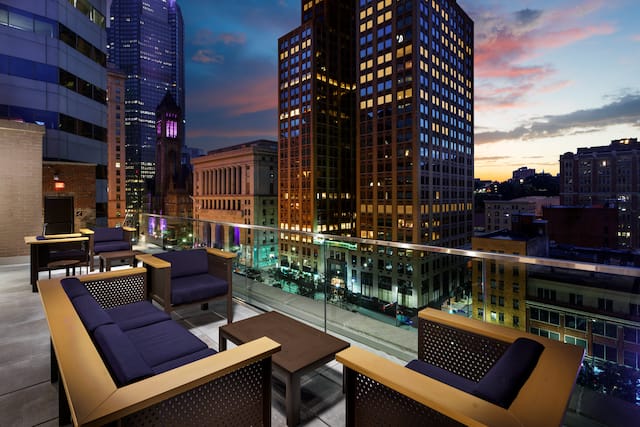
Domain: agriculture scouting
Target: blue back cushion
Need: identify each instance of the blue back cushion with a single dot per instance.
(90, 312)
(108, 234)
(503, 381)
(186, 263)
(74, 287)
(120, 355)
(111, 246)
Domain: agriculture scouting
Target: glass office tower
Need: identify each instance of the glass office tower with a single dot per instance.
(145, 40)
(53, 73)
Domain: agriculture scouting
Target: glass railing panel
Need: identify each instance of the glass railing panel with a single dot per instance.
(371, 291)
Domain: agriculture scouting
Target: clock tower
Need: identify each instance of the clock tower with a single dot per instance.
(172, 179)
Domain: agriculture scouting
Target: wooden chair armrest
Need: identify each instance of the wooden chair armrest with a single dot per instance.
(151, 261)
(164, 386)
(449, 401)
(221, 253)
(158, 279)
(220, 263)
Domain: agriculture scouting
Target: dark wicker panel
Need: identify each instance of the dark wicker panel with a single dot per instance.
(463, 353)
(236, 399)
(117, 291)
(378, 405)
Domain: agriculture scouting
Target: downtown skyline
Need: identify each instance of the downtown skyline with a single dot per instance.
(549, 78)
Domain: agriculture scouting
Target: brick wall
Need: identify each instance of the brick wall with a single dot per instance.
(21, 189)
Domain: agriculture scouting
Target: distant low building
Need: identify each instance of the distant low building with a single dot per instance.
(606, 176)
(594, 227)
(499, 213)
(239, 184)
(499, 289)
(523, 173)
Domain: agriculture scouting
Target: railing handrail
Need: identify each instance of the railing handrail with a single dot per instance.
(506, 258)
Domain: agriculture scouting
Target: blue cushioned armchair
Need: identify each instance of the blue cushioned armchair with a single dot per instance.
(467, 372)
(193, 276)
(108, 239)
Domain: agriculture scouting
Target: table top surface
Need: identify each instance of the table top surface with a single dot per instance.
(63, 263)
(117, 254)
(302, 345)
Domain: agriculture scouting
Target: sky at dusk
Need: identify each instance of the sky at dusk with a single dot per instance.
(550, 76)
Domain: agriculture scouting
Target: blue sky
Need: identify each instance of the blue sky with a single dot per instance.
(550, 76)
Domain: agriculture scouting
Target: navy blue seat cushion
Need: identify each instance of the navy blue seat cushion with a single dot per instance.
(90, 312)
(186, 263)
(120, 355)
(74, 287)
(503, 381)
(111, 246)
(136, 315)
(198, 287)
(164, 341)
(162, 367)
(442, 375)
(108, 234)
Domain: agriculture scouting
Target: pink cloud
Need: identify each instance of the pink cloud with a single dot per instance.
(207, 56)
(229, 133)
(636, 38)
(250, 96)
(506, 44)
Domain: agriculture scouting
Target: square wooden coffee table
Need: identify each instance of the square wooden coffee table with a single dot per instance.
(108, 258)
(304, 349)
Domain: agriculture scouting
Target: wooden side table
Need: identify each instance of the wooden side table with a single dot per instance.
(63, 263)
(108, 258)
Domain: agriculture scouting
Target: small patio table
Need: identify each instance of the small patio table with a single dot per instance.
(304, 348)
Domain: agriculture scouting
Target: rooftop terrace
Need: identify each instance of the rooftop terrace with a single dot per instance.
(27, 398)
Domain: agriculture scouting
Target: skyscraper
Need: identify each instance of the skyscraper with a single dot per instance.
(415, 141)
(53, 73)
(413, 137)
(145, 40)
(317, 128)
